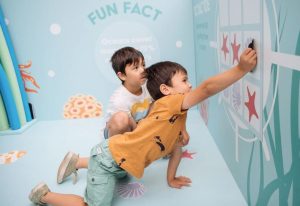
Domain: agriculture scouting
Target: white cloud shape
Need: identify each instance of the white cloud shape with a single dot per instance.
(55, 29)
(51, 73)
(178, 44)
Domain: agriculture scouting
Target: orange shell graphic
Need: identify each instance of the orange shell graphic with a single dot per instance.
(82, 106)
(12, 156)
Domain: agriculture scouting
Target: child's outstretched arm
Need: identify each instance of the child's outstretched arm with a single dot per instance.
(221, 81)
(173, 181)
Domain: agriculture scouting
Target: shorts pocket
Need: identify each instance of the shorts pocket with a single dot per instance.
(103, 161)
(97, 179)
(99, 191)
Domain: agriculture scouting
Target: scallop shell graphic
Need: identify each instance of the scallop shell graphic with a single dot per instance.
(131, 190)
(82, 106)
(10, 157)
(203, 106)
(236, 96)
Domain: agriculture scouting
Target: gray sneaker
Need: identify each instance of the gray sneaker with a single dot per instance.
(38, 192)
(68, 167)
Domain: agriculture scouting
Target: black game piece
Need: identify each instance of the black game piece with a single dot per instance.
(251, 45)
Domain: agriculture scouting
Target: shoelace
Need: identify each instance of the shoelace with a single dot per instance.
(75, 177)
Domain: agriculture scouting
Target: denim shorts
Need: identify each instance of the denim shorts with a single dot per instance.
(102, 175)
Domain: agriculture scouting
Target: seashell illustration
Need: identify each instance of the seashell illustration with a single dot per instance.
(226, 93)
(204, 111)
(131, 190)
(236, 96)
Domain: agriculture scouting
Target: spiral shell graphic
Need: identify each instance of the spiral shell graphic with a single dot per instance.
(82, 106)
(10, 157)
(131, 190)
(203, 106)
(236, 96)
(226, 93)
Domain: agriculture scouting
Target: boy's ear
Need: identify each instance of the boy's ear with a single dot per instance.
(121, 76)
(164, 89)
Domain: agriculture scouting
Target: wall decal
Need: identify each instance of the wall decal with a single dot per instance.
(131, 190)
(82, 106)
(10, 157)
(27, 77)
(257, 121)
(187, 154)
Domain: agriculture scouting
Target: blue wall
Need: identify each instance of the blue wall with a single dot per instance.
(66, 46)
(255, 122)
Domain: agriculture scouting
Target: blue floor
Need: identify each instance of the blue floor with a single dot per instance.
(46, 143)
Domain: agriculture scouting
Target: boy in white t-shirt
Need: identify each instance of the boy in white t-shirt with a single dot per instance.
(127, 106)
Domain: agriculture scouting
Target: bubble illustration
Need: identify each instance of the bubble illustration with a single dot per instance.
(178, 44)
(55, 29)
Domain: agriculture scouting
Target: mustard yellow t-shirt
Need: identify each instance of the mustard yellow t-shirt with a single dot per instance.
(154, 137)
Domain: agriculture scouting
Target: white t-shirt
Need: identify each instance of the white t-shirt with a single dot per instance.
(136, 106)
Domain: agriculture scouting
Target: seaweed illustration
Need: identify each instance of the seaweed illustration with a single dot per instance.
(286, 181)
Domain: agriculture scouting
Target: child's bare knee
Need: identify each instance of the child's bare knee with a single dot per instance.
(120, 121)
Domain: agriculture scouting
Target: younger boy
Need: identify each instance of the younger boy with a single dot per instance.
(128, 104)
(154, 137)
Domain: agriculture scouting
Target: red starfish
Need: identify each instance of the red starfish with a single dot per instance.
(187, 154)
(251, 104)
(235, 49)
(224, 46)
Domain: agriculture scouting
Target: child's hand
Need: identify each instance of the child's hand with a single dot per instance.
(248, 60)
(180, 181)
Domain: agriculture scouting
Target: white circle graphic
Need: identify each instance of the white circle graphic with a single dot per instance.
(55, 29)
(51, 73)
(178, 44)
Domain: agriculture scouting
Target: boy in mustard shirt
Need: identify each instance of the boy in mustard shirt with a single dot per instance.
(128, 104)
(154, 137)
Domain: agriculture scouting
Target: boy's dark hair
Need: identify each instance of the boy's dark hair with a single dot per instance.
(161, 73)
(123, 57)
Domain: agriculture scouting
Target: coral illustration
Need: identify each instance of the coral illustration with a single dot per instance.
(82, 106)
(27, 77)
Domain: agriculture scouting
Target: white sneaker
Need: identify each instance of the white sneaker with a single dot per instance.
(38, 192)
(68, 167)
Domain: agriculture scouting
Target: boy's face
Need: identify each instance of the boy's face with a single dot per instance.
(135, 75)
(180, 84)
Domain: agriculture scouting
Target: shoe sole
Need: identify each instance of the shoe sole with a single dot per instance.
(63, 166)
(35, 189)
